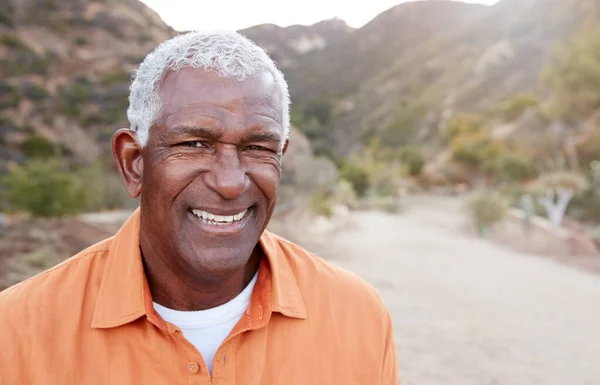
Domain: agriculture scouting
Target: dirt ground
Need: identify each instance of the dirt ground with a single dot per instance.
(468, 311)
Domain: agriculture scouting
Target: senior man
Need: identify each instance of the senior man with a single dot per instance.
(192, 289)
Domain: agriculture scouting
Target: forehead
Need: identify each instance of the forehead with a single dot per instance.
(193, 90)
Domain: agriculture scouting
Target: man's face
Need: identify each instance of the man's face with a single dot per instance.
(211, 169)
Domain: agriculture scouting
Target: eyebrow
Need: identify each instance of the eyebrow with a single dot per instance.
(263, 137)
(211, 134)
(196, 131)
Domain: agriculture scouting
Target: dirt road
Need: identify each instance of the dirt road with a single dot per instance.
(469, 312)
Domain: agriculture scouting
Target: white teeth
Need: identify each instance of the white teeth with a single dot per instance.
(218, 219)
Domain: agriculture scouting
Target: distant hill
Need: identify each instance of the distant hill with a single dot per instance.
(64, 76)
(430, 57)
(65, 70)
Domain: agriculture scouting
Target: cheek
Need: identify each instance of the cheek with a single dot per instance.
(168, 179)
(266, 178)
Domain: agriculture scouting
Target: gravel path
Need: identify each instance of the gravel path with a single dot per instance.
(467, 311)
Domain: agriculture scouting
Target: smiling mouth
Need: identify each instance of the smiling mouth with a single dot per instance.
(220, 220)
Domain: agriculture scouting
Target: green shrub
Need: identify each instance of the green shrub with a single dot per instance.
(7, 124)
(5, 18)
(460, 125)
(320, 204)
(9, 96)
(38, 147)
(106, 117)
(585, 207)
(514, 168)
(487, 208)
(26, 61)
(44, 187)
(75, 94)
(13, 42)
(143, 39)
(401, 131)
(512, 109)
(81, 41)
(357, 176)
(414, 159)
(111, 78)
(35, 92)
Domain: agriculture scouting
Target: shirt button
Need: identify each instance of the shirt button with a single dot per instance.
(194, 367)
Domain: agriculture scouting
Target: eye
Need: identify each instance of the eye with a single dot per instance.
(194, 144)
(257, 148)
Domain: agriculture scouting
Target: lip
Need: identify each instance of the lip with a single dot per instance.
(224, 230)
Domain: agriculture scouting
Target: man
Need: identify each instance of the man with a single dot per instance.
(192, 289)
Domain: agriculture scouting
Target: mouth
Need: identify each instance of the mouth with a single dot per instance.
(220, 223)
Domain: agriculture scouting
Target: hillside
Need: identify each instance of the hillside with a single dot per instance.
(289, 46)
(430, 59)
(64, 77)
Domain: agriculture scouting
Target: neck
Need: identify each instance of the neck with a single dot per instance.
(178, 289)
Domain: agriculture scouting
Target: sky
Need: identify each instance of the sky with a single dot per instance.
(188, 15)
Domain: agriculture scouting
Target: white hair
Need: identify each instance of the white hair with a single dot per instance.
(229, 54)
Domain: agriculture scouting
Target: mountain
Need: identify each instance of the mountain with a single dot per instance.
(287, 46)
(431, 58)
(64, 77)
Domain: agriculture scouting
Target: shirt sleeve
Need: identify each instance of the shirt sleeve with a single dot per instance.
(389, 368)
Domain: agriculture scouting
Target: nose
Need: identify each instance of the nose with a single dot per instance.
(227, 176)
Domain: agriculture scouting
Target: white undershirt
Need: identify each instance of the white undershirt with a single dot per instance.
(207, 329)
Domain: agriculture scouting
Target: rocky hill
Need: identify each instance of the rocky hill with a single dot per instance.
(430, 58)
(64, 76)
(65, 71)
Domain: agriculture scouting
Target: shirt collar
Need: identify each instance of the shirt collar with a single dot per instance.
(124, 295)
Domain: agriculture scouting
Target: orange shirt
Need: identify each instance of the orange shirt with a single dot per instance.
(90, 320)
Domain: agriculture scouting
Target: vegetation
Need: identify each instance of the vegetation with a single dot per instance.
(401, 131)
(356, 176)
(44, 187)
(81, 41)
(74, 95)
(555, 191)
(512, 109)
(487, 208)
(510, 167)
(35, 92)
(38, 147)
(461, 125)
(25, 60)
(313, 119)
(51, 187)
(111, 78)
(413, 158)
(9, 96)
(574, 75)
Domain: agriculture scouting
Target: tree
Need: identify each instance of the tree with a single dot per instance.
(573, 77)
(556, 190)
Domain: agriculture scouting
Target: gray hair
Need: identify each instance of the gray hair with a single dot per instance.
(229, 54)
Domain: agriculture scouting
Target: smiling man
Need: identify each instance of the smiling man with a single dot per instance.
(192, 289)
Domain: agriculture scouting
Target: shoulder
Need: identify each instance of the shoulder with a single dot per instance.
(320, 281)
(55, 289)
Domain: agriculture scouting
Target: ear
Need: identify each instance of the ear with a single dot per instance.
(128, 155)
(285, 146)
